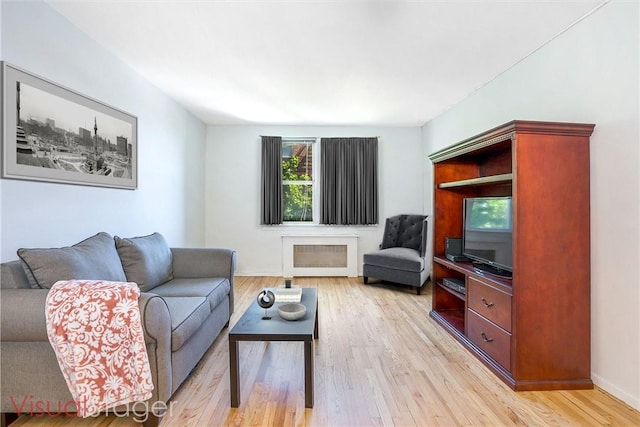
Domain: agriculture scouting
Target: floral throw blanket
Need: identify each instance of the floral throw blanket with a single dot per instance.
(95, 330)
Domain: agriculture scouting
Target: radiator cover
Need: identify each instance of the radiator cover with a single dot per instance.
(320, 255)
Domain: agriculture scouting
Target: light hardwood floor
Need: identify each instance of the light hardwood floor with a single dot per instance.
(379, 360)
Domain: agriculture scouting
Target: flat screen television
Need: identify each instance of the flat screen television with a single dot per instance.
(487, 236)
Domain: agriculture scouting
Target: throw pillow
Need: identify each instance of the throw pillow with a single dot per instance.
(147, 260)
(94, 258)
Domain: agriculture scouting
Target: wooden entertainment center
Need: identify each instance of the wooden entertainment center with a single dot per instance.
(532, 331)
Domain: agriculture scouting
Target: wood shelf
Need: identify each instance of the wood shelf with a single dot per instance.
(466, 268)
(452, 292)
(506, 178)
(451, 319)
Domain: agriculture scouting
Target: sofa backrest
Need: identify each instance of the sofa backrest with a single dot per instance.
(145, 260)
(12, 276)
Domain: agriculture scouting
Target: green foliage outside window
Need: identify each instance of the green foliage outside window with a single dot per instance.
(297, 197)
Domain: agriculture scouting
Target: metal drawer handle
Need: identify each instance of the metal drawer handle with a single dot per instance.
(487, 304)
(485, 338)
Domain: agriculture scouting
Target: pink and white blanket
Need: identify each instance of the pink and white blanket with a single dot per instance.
(95, 330)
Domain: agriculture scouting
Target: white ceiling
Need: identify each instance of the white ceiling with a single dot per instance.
(340, 62)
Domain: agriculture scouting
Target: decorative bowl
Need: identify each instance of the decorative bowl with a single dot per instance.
(293, 311)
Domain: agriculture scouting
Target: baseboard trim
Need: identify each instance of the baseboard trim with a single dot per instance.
(633, 401)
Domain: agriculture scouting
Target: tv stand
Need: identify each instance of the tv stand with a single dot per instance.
(483, 268)
(532, 330)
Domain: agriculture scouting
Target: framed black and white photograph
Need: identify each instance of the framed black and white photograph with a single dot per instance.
(52, 133)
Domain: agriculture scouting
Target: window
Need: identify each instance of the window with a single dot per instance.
(298, 180)
(295, 189)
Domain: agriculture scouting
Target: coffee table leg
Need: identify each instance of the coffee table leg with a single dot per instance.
(308, 373)
(234, 373)
(315, 325)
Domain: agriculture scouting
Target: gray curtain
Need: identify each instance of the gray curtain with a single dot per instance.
(271, 187)
(349, 181)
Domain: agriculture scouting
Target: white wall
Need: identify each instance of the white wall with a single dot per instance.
(171, 145)
(588, 74)
(233, 190)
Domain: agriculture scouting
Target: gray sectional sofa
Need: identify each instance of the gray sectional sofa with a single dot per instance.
(186, 300)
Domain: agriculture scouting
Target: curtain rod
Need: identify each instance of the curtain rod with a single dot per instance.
(320, 137)
(294, 137)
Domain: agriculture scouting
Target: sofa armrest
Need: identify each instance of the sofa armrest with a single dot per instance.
(22, 316)
(156, 323)
(155, 317)
(205, 262)
(22, 319)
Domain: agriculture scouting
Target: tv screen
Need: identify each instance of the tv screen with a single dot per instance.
(488, 230)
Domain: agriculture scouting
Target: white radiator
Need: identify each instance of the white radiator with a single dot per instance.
(320, 255)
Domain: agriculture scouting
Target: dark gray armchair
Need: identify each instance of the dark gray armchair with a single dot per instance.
(405, 254)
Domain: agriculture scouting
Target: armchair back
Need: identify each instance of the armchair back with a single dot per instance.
(405, 231)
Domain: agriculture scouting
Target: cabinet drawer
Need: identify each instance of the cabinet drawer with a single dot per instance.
(493, 340)
(489, 302)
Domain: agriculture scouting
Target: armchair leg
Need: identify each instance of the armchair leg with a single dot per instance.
(365, 279)
(419, 290)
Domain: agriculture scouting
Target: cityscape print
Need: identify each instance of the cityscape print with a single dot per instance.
(53, 132)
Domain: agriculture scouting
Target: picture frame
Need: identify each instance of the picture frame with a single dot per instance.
(55, 134)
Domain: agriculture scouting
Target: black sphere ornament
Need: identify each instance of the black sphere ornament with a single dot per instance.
(266, 299)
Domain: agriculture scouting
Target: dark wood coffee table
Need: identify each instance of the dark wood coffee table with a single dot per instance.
(251, 327)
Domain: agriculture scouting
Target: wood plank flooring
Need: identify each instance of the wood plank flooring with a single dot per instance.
(379, 361)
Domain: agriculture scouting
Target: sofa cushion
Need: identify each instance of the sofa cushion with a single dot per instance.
(400, 258)
(147, 260)
(94, 258)
(187, 316)
(214, 289)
